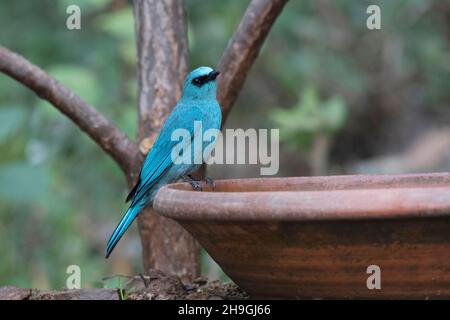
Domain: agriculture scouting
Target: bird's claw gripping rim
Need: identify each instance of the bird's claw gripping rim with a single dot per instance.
(195, 184)
(210, 182)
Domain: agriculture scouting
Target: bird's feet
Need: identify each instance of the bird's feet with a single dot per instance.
(210, 182)
(195, 184)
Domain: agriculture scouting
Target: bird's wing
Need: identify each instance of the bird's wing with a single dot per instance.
(159, 159)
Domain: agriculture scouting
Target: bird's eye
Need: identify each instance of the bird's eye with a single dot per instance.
(197, 82)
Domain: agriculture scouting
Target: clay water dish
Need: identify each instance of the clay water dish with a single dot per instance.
(316, 237)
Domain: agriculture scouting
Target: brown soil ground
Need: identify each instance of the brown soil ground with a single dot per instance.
(153, 286)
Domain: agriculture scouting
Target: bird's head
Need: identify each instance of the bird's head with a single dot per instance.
(201, 84)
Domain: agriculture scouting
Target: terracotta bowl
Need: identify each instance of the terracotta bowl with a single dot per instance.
(315, 237)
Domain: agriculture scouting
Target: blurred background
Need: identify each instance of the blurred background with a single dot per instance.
(346, 100)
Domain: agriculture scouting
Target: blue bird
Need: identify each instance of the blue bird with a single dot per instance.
(198, 103)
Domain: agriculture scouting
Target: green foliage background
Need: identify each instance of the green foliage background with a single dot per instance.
(61, 196)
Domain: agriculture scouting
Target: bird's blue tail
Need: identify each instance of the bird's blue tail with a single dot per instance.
(123, 225)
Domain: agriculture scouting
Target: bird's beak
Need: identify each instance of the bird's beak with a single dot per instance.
(213, 75)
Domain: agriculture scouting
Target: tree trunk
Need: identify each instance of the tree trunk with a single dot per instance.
(162, 66)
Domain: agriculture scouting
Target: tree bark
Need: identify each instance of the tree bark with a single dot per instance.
(162, 66)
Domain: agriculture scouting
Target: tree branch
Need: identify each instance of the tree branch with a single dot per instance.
(101, 130)
(243, 49)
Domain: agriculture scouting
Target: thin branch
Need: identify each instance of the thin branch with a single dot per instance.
(101, 130)
(244, 47)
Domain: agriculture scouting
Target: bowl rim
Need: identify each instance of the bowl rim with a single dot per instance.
(343, 197)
